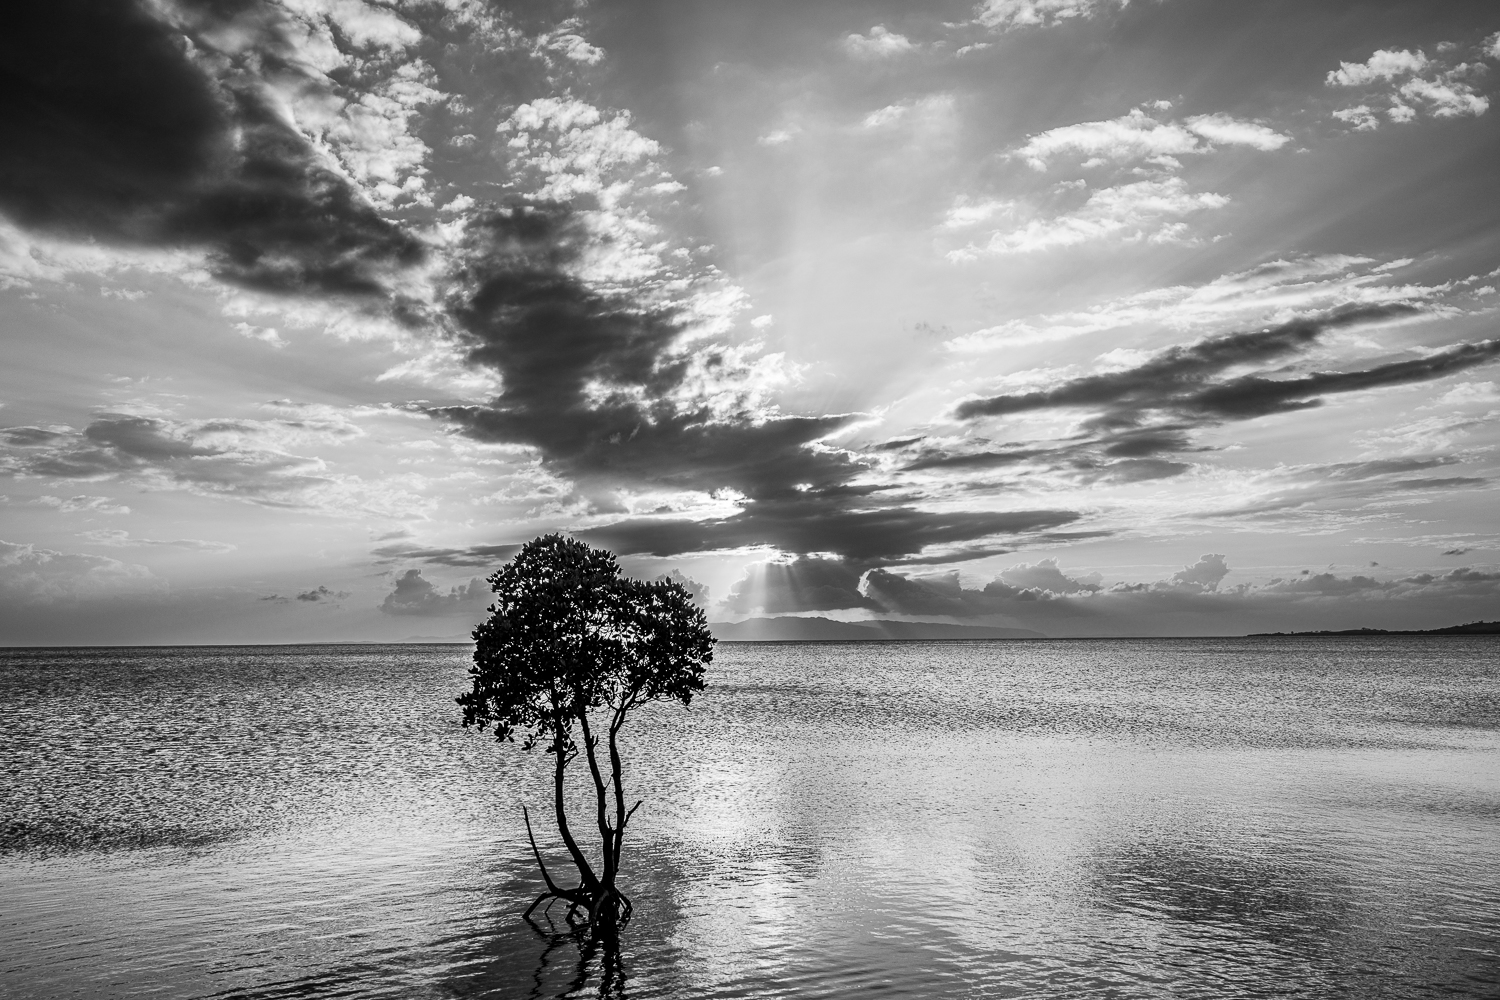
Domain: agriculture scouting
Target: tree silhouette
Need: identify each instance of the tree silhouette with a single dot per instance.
(571, 647)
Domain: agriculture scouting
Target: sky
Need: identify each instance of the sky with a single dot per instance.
(1165, 317)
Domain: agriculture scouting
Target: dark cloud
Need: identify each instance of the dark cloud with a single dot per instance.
(823, 524)
(471, 555)
(1185, 382)
(1138, 421)
(1193, 600)
(32, 436)
(415, 596)
(1255, 396)
(121, 127)
(124, 128)
(322, 593)
(593, 380)
(801, 585)
(1178, 377)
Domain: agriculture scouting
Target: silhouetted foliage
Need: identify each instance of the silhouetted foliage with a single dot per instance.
(571, 647)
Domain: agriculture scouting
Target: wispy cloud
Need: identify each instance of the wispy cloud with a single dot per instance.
(1007, 15)
(1145, 211)
(116, 538)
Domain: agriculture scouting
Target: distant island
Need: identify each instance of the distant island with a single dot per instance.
(793, 629)
(1473, 628)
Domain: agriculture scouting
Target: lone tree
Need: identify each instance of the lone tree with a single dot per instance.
(571, 647)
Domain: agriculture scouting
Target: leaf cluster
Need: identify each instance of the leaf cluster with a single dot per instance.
(568, 634)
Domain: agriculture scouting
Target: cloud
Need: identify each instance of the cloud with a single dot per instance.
(122, 539)
(860, 531)
(1140, 136)
(1047, 576)
(469, 555)
(777, 137)
(1204, 575)
(1007, 15)
(32, 576)
(806, 584)
(1194, 600)
(1187, 381)
(415, 596)
(322, 594)
(1128, 213)
(84, 503)
(576, 149)
(118, 131)
(246, 459)
(1270, 292)
(1359, 117)
(699, 591)
(1139, 419)
(880, 43)
(1383, 64)
(1232, 131)
(1410, 82)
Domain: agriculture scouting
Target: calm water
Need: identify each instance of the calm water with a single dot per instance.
(1132, 818)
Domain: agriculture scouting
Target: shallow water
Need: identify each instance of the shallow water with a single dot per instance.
(1108, 818)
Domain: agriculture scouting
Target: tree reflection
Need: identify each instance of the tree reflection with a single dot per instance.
(592, 949)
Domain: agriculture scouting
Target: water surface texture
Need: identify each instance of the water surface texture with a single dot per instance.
(1111, 818)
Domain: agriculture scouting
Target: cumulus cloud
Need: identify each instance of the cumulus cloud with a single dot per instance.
(414, 595)
(1411, 83)
(1360, 118)
(1383, 64)
(1047, 576)
(1204, 575)
(880, 43)
(699, 591)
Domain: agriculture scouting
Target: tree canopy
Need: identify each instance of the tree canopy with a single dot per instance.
(571, 647)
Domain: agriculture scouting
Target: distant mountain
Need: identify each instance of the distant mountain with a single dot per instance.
(1473, 628)
(465, 637)
(811, 629)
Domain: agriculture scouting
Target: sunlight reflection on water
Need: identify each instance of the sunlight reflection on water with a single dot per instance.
(1174, 818)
